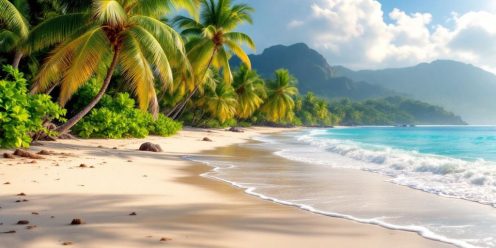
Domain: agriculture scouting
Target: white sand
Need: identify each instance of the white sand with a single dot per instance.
(170, 199)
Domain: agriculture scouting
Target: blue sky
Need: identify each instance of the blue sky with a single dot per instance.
(380, 33)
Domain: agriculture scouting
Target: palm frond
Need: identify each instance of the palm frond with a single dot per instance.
(56, 30)
(239, 52)
(153, 50)
(109, 12)
(94, 45)
(13, 19)
(8, 40)
(137, 71)
(241, 38)
(226, 68)
(55, 65)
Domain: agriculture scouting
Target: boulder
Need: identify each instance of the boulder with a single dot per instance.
(22, 222)
(77, 222)
(235, 130)
(150, 147)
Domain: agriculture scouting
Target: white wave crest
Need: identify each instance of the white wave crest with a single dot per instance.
(450, 177)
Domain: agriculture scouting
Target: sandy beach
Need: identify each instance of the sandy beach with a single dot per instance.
(129, 198)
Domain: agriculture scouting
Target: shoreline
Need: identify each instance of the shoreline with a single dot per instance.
(168, 195)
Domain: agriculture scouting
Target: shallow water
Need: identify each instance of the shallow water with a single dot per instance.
(329, 172)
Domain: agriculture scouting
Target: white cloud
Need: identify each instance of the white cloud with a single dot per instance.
(295, 24)
(355, 33)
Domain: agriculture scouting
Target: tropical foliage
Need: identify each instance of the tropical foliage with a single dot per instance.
(127, 68)
(212, 40)
(250, 91)
(21, 114)
(280, 101)
(116, 117)
(128, 34)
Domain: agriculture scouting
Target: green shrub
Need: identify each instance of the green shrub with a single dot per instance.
(210, 123)
(22, 114)
(116, 118)
(230, 123)
(164, 126)
(244, 124)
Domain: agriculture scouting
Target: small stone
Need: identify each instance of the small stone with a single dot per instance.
(21, 194)
(207, 139)
(31, 227)
(8, 155)
(235, 130)
(77, 222)
(67, 243)
(45, 152)
(133, 214)
(33, 162)
(92, 167)
(6, 183)
(164, 239)
(115, 148)
(83, 166)
(11, 231)
(22, 222)
(35, 213)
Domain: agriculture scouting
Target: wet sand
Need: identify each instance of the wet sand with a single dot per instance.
(171, 201)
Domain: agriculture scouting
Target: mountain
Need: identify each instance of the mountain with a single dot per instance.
(461, 88)
(313, 73)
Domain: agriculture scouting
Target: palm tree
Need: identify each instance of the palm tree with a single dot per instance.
(15, 30)
(124, 33)
(279, 104)
(212, 39)
(250, 91)
(221, 102)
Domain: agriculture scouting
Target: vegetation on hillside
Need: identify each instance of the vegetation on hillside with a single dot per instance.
(391, 111)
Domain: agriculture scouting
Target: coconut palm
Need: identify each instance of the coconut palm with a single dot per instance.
(14, 30)
(250, 91)
(279, 104)
(124, 33)
(220, 102)
(212, 39)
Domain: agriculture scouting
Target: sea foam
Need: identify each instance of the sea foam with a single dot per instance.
(445, 176)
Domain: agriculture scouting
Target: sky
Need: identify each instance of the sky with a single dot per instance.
(372, 34)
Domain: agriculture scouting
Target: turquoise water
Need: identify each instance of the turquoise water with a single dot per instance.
(439, 182)
(468, 143)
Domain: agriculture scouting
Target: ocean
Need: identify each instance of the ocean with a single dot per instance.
(437, 181)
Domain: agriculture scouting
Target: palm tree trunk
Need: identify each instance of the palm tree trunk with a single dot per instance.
(17, 59)
(181, 106)
(70, 123)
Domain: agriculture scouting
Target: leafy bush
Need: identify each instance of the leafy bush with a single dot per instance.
(22, 114)
(244, 124)
(83, 96)
(165, 126)
(210, 123)
(116, 117)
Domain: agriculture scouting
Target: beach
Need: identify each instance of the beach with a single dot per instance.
(130, 198)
